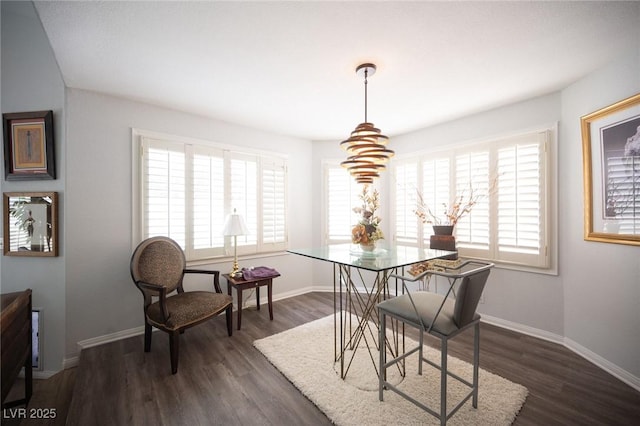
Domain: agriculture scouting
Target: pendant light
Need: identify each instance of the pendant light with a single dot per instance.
(366, 146)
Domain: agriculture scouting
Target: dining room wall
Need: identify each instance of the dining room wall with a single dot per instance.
(601, 281)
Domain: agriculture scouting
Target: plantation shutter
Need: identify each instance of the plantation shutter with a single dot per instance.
(187, 187)
(520, 205)
(472, 181)
(208, 201)
(406, 222)
(274, 203)
(164, 206)
(435, 190)
(244, 196)
(507, 182)
(342, 196)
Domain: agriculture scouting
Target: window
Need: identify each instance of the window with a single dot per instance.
(186, 189)
(341, 192)
(508, 223)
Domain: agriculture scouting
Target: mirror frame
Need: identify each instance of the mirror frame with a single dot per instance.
(52, 222)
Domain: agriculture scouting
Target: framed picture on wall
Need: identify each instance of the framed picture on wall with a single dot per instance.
(28, 145)
(611, 163)
(30, 223)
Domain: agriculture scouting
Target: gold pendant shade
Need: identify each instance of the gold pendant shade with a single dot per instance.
(368, 153)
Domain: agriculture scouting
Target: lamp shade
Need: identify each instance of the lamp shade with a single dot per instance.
(234, 225)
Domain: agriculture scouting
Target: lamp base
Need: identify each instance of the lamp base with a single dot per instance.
(235, 270)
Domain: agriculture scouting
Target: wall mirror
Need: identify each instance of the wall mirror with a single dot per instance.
(30, 223)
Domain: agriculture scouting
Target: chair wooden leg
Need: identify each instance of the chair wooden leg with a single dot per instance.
(229, 315)
(147, 337)
(174, 346)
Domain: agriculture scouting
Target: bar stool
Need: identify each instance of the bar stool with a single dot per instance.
(443, 318)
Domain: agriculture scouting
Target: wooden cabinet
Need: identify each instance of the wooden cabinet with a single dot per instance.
(15, 323)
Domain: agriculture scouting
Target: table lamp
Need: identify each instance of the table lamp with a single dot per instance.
(234, 226)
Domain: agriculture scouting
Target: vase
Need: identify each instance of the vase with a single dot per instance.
(444, 240)
(368, 247)
(443, 229)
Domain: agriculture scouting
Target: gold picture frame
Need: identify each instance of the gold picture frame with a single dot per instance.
(611, 165)
(28, 145)
(30, 224)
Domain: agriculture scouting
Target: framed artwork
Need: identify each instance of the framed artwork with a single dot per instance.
(28, 145)
(30, 223)
(611, 164)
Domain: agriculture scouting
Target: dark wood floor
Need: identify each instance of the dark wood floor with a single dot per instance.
(224, 380)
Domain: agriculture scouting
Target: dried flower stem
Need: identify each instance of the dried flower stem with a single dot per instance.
(456, 210)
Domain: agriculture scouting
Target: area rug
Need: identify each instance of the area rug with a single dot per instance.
(305, 356)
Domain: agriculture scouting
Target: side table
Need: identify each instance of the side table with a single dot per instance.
(240, 284)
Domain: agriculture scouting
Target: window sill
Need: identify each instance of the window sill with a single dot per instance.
(227, 259)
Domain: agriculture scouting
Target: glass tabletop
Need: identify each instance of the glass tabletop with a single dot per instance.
(380, 259)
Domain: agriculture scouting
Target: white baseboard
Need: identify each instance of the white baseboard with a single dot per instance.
(524, 329)
(38, 374)
(578, 349)
(590, 356)
(43, 374)
(288, 294)
(73, 359)
(606, 365)
(108, 338)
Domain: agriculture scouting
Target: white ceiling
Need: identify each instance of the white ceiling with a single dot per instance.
(289, 67)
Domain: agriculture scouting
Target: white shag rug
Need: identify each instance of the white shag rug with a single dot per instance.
(305, 356)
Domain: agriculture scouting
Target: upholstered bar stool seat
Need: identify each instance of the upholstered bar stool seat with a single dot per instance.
(428, 305)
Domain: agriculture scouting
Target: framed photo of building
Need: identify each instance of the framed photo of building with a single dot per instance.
(28, 145)
(611, 164)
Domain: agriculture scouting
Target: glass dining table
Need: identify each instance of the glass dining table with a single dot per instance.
(360, 282)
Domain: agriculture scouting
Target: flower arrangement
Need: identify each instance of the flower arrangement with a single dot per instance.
(454, 211)
(367, 231)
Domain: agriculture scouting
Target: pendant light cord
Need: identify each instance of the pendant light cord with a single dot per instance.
(366, 71)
